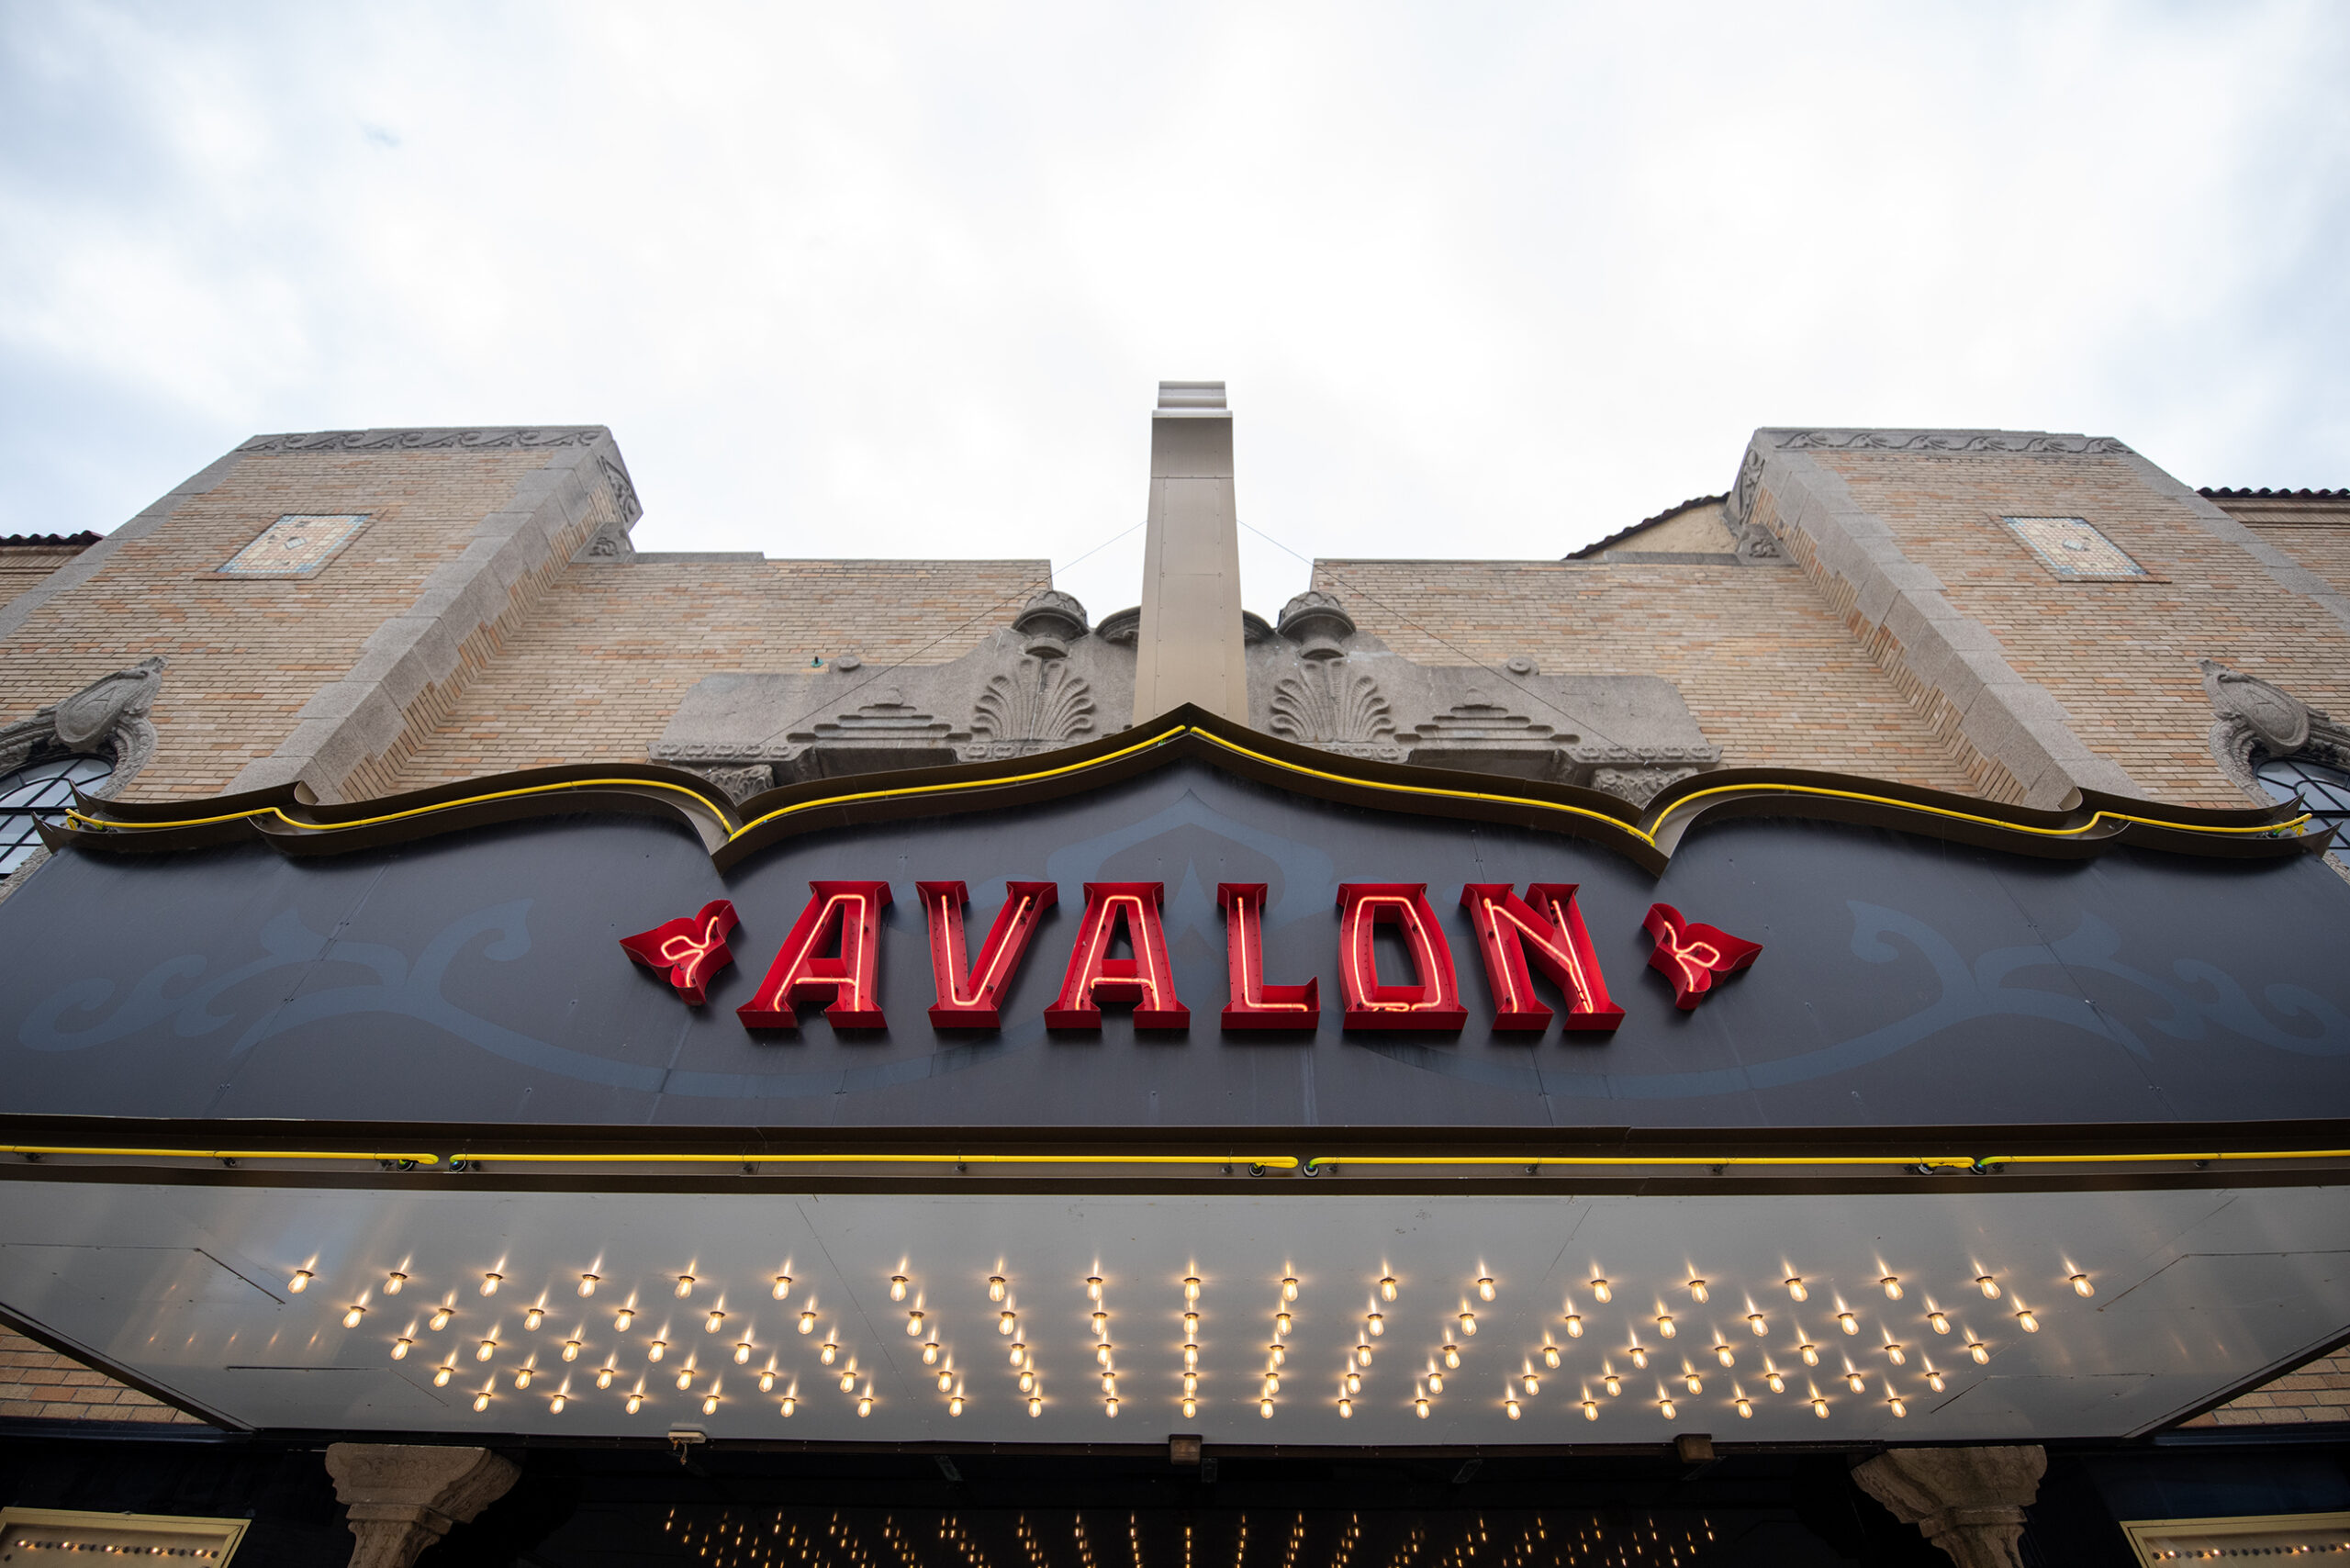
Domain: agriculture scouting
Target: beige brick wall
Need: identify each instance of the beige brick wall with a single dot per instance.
(2120, 657)
(40, 1384)
(245, 654)
(2318, 1392)
(1766, 666)
(2320, 544)
(608, 653)
(23, 566)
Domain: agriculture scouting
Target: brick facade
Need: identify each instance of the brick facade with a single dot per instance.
(38, 1385)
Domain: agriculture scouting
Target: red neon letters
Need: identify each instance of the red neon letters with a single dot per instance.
(1146, 979)
(972, 999)
(1255, 1005)
(849, 913)
(691, 947)
(1547, 918)
(1434, 1001)
(1693, 955)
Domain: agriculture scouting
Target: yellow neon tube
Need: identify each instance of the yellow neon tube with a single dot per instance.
(413, 812)
(212, 1153)
(1937, 1161)
(1269, 1161)
(2271, 828)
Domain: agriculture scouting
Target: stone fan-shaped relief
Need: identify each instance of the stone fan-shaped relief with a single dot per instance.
(1041, 701)
(1330, 707)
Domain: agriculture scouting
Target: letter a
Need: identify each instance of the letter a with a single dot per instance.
(1505, 924)
(1255, 1005)
(846, 913)
(1433, 1002)
(1146, 979)
(972, 999)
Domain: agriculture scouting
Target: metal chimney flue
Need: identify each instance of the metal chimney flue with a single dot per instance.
(1190, 646)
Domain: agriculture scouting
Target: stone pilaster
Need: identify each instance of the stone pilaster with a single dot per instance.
(1969, 1501)
(402, 1498)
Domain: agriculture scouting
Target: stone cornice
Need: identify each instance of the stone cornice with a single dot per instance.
(430, 438)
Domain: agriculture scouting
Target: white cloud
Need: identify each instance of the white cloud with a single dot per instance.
(1484, 280)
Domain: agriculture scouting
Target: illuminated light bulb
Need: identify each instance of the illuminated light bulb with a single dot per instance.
(1468, 1322)
(995, 1287)
(1697, 1290)
(1531, 1383)
(930, 1353)
(1575, 1326)
(946, 1383)
(1453, 1355)
(636, 1403)
(588, 1283)
(481, 1403)
(1778, 1385)
(1940, 1323)
(1288, 1290)
(1980, 1351)
(1990, 1286)
(1898, 1408)
(913, 1325)
(393, 1282)
(603, 1377)
(782, 1286)
(897, 1287)
(1721, 1354)
(1110, 1408)
(657, 1350)
(1191, 1326)
(1027, 1382)
(807, 1323)
(1511, 1405)
(555, 1406)
(1614, 1385)
(1265, 1408)
(1191, 1288)
(400, 1349)
(742, 1353)
(1191, 1355)
(622, 1318)
(352, 1315)
(571, 1349)
(686, 1379)
(1666, 1405)
(1354, 1383)
(1844, 1320)
(1272, 1383)
(522, 1378)
(1856, 1382)
(710, 1405)
(1101, 1324)
(1102, 1354)
(1387, 1288)
(1591, 1409)
(1019, 1354)
(1035, 1407)
(1362, 1355)
(489, 1283)
(1892, 1287)
(1190, 1406)
(532, 1318)
(1281, 1323)
(954, 1406)
(1006, 1324)
(1376, 1324)
(439, 1319)
(1811, 1354)
(864, 1406)
(1795, 1290)
(1640, 1357)
(1599, 1292)
(829, 1354)
(1934, 1381)
(1420, 1408)
(2030, 1323)
(1109, 1383)
(848, 1381)
(1692, 1382)
(1550, 1357)
(685, 1286)
(789, 1406)
(1436, 1383)
(1745, 1409)
(2081, 1286)
(1346, 1409)
(1664, 1326)
(489, 1349)
(1896, 1354)
(710, 1324)
(1484, 1290)
(1819, 1408)
(440, 1376)
(300, 1281)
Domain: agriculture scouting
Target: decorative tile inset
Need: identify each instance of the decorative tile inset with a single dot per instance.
(294, 544)
(2069, 547)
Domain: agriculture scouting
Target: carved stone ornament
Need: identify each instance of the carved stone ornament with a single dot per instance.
(1948, 441)
(1042, 701)
(401, 1499)
(1326, 705)
(2253, 721)
(1755, 542)
(1969, 1501)
(110, 714)
(1319, 623)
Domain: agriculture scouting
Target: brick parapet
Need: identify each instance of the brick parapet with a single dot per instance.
(2318, 1391)
(40, 1384)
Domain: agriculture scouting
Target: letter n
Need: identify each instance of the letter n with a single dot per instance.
(1255, 1005)
(971, 997)
(1146, 979)
(845, 916)
(1545, 918)
(1433, 1000)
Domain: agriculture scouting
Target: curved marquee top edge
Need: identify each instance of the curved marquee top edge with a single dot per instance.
(1648, 837)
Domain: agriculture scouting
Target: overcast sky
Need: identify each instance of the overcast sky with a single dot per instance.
(899, 280)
